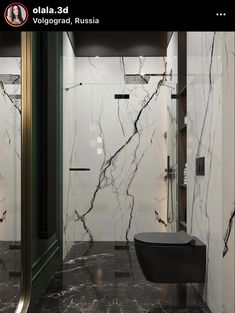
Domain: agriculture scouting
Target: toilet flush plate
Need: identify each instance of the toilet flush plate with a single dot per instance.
(200, 166)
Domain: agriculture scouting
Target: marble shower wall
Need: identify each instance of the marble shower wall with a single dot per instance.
(228, 171)
(172, 69)
(121, 141)
(209, 64)
(69, 224)
(10, 149)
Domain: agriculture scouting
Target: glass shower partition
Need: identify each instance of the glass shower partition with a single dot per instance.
(115, 148)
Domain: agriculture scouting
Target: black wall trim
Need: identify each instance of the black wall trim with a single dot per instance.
(77, 169)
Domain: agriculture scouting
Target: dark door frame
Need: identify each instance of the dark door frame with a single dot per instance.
(41, 187)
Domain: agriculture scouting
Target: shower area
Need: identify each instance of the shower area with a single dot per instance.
(119, 176)
(116, 154)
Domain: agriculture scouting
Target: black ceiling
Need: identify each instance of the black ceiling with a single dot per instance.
(118, 43)
(10, 44)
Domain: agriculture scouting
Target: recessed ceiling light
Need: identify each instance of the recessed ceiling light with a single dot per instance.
(99, 151)
(99, 139)
(97, 57)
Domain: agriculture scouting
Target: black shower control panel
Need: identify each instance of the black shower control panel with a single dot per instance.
(200, 166)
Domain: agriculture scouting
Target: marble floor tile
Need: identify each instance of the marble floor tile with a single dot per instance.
(104, 278)
(10, 264)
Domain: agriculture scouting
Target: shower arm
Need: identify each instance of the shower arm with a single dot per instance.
(130, 75)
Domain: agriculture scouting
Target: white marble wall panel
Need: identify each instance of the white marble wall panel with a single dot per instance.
(10, 149)
(121, 141)
(210, 103)
(69, 224)
(172, 69)
(228, 171)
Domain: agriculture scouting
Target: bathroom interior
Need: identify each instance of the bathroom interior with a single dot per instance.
(148, 173)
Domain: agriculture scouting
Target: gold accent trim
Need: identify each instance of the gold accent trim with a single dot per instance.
(26, 172)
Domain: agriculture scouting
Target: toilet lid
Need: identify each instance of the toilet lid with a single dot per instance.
(179, 238)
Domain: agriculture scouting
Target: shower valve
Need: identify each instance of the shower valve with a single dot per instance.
(169, 174)
(168, 170)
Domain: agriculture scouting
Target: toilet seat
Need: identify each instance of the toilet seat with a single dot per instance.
(163, 239)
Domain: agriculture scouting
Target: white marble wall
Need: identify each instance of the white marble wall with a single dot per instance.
(172, 69)
(228, 171)
(207, 56)
(10, 149)
(121, 141)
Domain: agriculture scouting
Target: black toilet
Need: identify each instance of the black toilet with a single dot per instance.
(171, 257)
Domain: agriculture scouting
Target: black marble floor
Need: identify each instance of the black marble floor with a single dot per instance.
(102, 278)
(10, 264)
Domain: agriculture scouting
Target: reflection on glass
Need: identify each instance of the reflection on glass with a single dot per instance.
(10, 171)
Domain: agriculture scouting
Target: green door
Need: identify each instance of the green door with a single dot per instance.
(42, 164)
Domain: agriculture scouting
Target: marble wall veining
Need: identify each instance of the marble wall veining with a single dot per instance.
(10, 149)
(172, 69)
(121, 141)
(125, 142)
(228, 171)
(210, 198)
(69, 225)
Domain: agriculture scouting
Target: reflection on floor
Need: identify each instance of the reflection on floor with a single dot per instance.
(106, 278)
(9, 276)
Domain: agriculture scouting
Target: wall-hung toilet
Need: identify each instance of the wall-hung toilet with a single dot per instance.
(171, 257)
